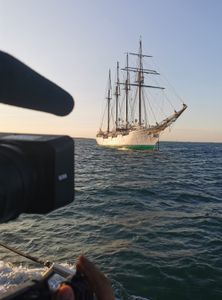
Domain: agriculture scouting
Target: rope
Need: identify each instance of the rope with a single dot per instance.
(103, 117)
(171, 86)
(150, 107)
(134, 98)
(37, 260)
(168, 100)
(144, 108)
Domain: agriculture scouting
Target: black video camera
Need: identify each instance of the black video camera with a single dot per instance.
(36, 171)
(36, 174)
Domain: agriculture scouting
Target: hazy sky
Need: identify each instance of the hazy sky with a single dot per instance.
(74, 43)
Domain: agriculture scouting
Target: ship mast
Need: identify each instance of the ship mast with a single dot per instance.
(140, 81)
(117, 93)
(108, 102)
(127, 90)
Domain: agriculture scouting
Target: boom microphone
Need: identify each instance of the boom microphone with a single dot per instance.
(23, 87)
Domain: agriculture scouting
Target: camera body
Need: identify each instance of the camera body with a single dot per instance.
(36, 173)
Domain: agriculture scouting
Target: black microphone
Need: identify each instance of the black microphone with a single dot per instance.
(23, 87)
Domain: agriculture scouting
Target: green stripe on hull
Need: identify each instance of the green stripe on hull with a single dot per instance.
(140, 147)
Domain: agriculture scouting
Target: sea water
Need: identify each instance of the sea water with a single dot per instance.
(152, 221)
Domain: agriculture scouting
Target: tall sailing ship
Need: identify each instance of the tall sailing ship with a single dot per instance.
(128, 124)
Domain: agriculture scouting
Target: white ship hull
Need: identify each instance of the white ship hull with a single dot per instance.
(139, 139)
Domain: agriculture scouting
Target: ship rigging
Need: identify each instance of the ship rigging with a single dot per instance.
(131, 127)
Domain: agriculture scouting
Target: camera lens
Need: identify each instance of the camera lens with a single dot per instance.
(15, 181)
(36, 174)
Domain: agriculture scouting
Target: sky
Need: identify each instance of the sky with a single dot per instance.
(74, 43)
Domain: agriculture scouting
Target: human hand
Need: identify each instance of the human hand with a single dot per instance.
(98, 282)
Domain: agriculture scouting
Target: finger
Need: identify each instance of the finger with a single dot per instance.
(64, 292)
